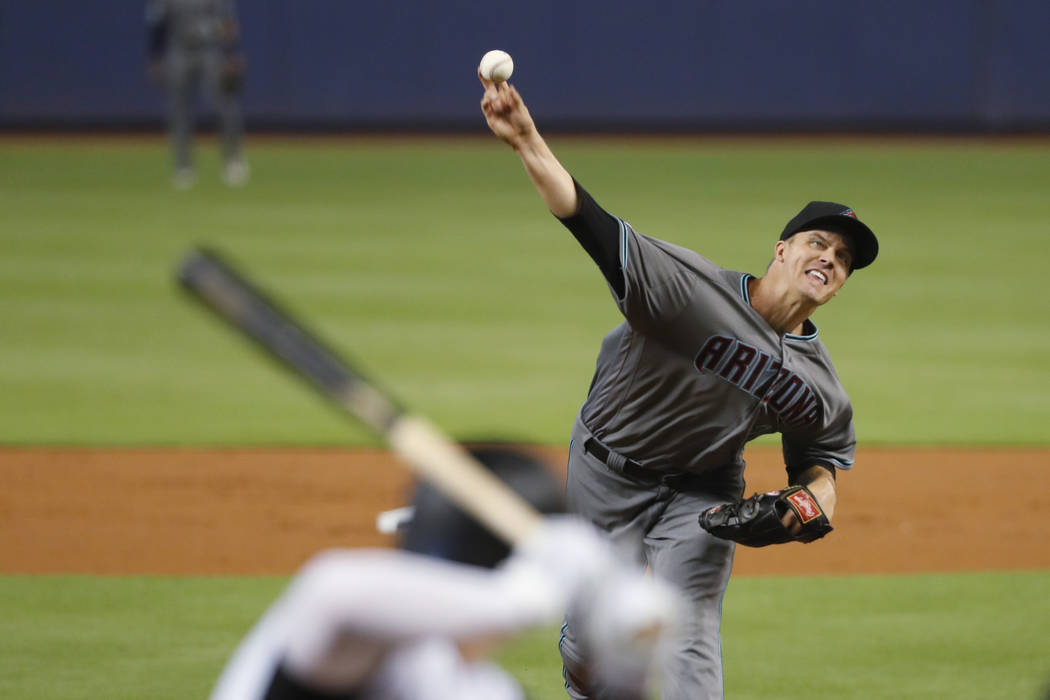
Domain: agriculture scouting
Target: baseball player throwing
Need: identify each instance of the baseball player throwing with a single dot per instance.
(706, 360)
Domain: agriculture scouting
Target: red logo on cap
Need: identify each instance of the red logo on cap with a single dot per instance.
(849, 213)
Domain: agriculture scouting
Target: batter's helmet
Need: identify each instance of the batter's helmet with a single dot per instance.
(439, 528)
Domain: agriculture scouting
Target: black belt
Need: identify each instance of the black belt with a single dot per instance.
(618, 463)
(729, 484)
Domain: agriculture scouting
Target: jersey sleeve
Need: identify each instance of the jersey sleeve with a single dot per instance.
(156, 29)
(831, 443)
(651, 280)
(229, 12)
(598, 232)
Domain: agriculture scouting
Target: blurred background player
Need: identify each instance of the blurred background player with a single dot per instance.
(195, 43)
(418, 623)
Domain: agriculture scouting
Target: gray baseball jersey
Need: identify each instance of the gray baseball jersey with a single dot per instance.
(193, 24)
(695, 372)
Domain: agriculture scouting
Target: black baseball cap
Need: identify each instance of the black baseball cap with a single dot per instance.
(837, 218)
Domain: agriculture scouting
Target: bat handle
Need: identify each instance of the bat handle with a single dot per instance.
(463, 479)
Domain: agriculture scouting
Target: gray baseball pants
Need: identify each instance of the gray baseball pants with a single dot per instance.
(664, 516)
(187, 70)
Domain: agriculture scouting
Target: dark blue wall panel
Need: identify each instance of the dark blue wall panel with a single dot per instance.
(768, 64)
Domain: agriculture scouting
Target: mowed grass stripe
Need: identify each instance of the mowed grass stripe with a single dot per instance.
(434, 262)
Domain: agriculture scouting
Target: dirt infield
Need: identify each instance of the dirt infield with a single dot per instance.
(254, 511)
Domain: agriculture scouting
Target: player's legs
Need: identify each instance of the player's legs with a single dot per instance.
(181, 82)
(699, 564)
(621, 507)
(230, 120)
(675, 547)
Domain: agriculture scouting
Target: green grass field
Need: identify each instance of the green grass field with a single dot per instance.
(437, 266)
(434, 263)
(877, 638)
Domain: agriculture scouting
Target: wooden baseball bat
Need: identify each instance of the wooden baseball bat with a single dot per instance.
(213, 281)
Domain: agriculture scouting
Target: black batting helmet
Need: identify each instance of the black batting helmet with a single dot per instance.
(439, 528)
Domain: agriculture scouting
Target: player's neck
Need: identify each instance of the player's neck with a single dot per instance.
(784, 311)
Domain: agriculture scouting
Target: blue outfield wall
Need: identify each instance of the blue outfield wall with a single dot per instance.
(592, 64)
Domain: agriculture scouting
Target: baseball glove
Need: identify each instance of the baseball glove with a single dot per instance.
(759, 521)
(231, 77)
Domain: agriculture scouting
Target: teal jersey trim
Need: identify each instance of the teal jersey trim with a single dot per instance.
(624, 243)
(791, 337)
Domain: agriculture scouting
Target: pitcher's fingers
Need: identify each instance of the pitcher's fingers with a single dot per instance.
(512, 96)
(498, 99)
(491, 102)
(507, 98)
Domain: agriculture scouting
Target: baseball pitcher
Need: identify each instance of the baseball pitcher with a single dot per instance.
(705, 360)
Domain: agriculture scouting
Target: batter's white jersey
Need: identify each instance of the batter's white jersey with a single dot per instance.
(434, 670)
(383, 625)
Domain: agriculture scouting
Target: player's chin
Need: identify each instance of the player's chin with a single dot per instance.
(817, 292)
(818, 295)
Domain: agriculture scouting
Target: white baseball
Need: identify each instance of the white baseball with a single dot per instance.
(496, 66)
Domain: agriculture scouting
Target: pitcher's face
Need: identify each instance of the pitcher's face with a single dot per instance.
(817, 263)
